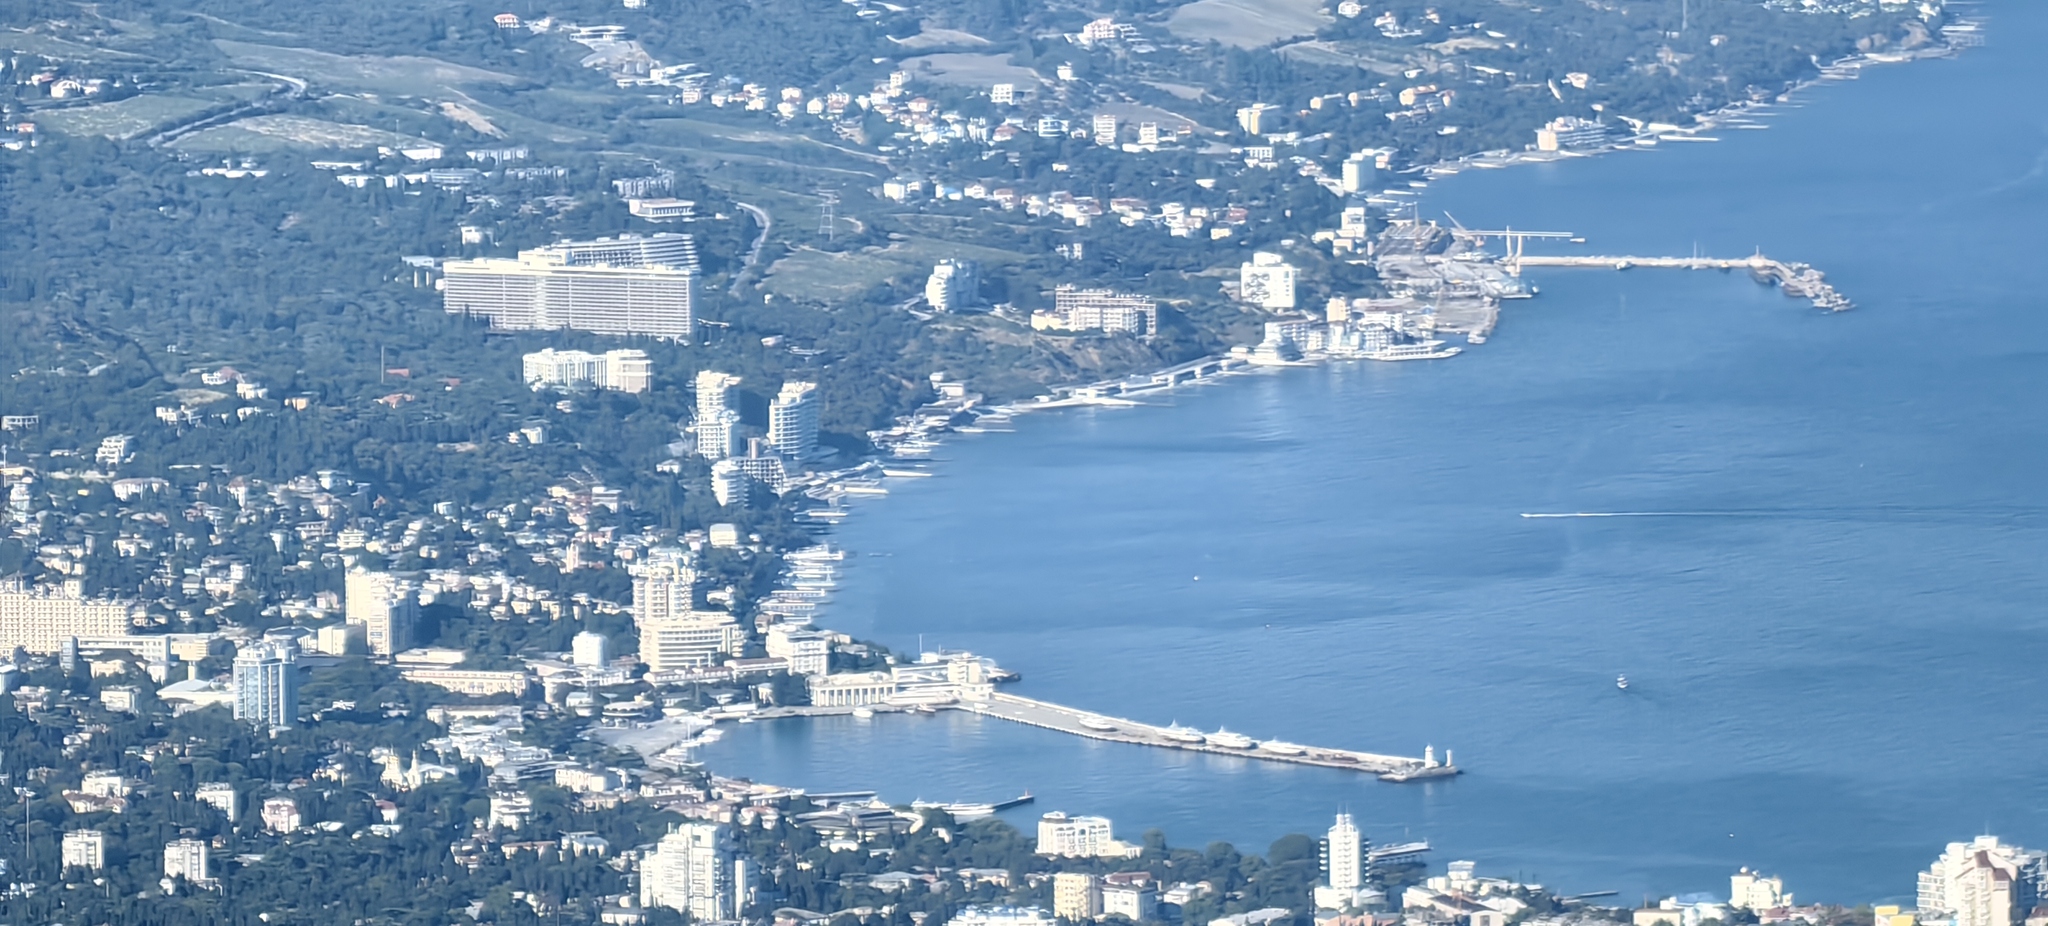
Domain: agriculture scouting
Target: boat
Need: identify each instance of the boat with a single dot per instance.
(863, 713)
(1621, 682)
(1425, 350)
(926, 709)
(1181, 734)
(1096, 723)
(1229, 740)
(1282, 748)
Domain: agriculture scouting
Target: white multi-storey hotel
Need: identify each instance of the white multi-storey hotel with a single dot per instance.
(1098, 310)
(385, 606)
(1076, 837)
(695, 869)
(793, 421)
(41, 620)
(548, 288)
(717, 423)
(1346, 855)
(1982, 883)
(623, 370)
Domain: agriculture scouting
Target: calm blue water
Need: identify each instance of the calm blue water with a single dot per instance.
(1840, 660)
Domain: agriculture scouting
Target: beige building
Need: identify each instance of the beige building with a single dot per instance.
(692, 638)
(40, 620)
(386, 606)
(1979, 883)
(1076, 896)
(1750, 890)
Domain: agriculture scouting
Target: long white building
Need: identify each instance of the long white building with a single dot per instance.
(1077, 309)
(542, 290)
(696, 869)
(623, 370)
(41, 620)
(688, 640)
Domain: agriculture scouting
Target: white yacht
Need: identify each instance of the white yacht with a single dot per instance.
(1282, 748)
(1229, 740)
(1178, 733)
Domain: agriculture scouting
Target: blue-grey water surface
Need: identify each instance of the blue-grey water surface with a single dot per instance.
(1839, 648)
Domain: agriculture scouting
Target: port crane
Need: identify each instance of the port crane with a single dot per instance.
(1515, 240)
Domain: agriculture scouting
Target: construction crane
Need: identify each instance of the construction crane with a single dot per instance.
(1515, 240)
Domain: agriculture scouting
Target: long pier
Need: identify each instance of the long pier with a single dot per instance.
(1799, 281)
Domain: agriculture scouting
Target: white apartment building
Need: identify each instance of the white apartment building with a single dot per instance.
(1079, 837)
(1252, 119)
(1077, 309)
(541, 290)
(113, 450)
(41, 620)
(623, 370)
(281, 815)
(1359, 172)
(683, 641)
(1344, 859)
(953, 285)
(590, 650)
(664, 586)
(809, 651)
(1267, 282)
(187, 859)
(1003, 94)
(469, 681)
(266, 683)
(1135, 902)
(729, 484)
(695, 869)
(85, 849)
(385, 605)
(1982, 883)
(1076, 896)
(793, 421)
(717, 423)
(220, 796)
(1104, 126)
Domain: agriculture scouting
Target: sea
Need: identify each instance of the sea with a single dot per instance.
(1821, 557)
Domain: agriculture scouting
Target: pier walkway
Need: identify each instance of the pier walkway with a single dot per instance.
(1799, 281)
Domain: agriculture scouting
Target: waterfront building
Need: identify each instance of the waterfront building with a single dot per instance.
(681, 641)
(266, 683)
(809, 652)
(1267, 282)
(1076, 896)
(42, 620)
(385, 605)
(281, 815)
(220, 796)
(763, 465)
(851, 689)
(695, 869)
(589, 651)
(717, 423)
(85, 849)
(623, 370)
(1566, 133)
(1982, 883)
(187, 859)
(1062, 836)
(1000, 916)
(1344, 855)
(953, 285)
(793, 421)
(1749, 890)
(1077, 309)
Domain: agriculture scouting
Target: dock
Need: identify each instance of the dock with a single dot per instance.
(1799, 281)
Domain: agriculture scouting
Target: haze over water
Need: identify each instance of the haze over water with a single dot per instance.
(1839, 653)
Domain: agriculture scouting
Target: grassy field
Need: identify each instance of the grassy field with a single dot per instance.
(1247, 23)
(404, 74)
(125, 118)
(823, 276)
(961, 68)
(280, 133)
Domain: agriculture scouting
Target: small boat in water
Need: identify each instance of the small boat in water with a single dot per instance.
(1096, 724)
(1282, 748)
(1229, 740)
(863, 713)
(1181, 734)
(1621, 682)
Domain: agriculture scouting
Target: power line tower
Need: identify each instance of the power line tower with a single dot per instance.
(828, 212)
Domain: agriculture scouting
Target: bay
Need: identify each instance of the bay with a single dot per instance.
(1835, 629)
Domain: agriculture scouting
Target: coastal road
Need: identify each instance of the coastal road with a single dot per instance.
(753, 257)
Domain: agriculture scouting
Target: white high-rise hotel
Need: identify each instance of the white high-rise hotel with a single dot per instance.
(627, 285)
(793, 421)
(717, 425)
(696, 869)
(1346, 859)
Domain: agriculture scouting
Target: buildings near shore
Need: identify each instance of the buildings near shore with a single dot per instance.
(1343, 851)
(1062, 836)
(696, 869)
(1983, 882)
(674, 633)
(954, 285)
(628, 285)
(622, 370)
(1076, 309)
(1750, 890)
(1267, 281)
(266, 683)
(386, 606)
(793, 421)
(717, 423)
(1572, 133)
